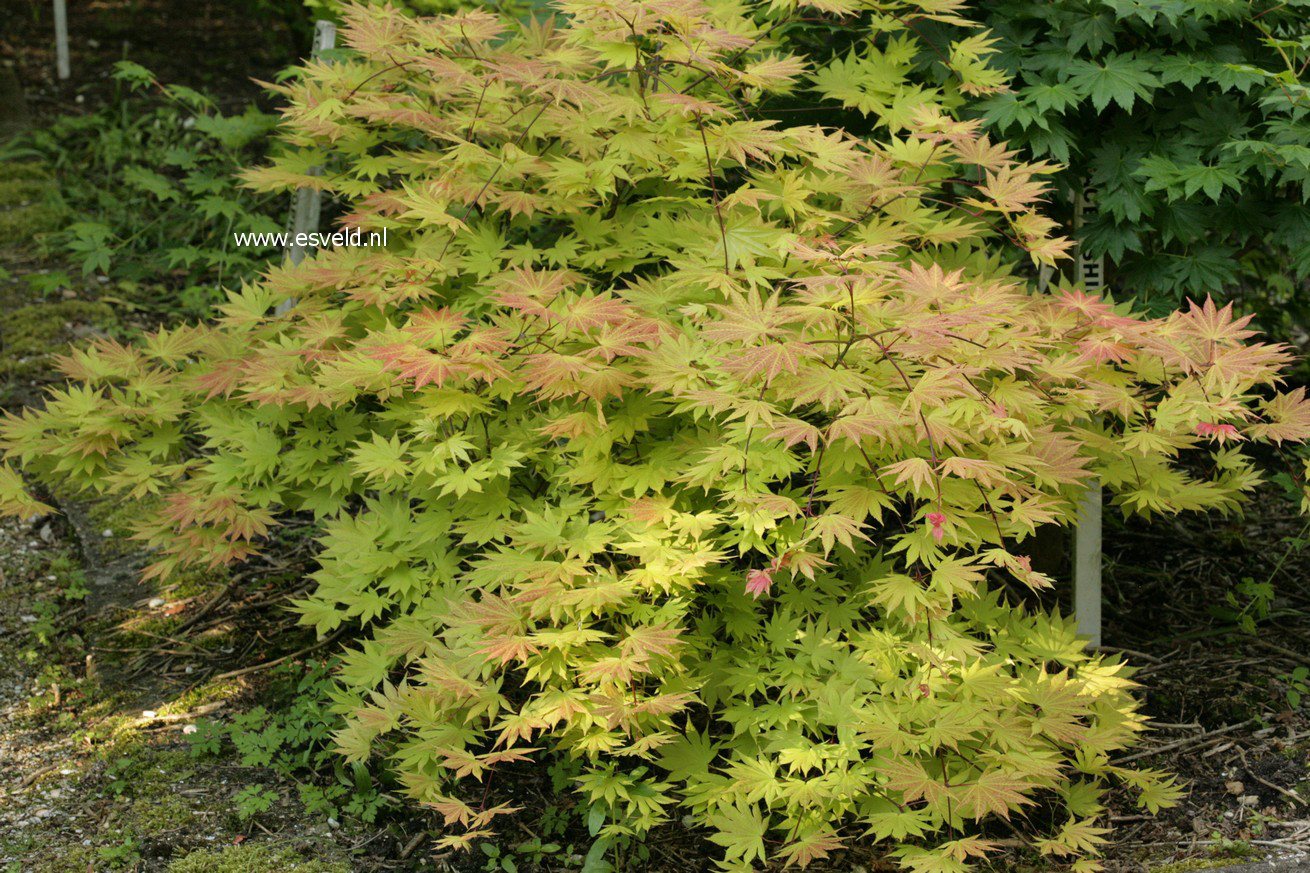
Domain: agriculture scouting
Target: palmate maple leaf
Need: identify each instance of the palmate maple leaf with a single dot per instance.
(509, 647)
(811, 847)
(485, 340)
(966, 847)
(828, 388)
(1105, 348)
(493, 614)
(648, 641)
(452, 810)
(619, 670)
(792, 431)
(769, 361)
(986, 473)
(1012, 189)
(526, 283)
(1212, 324)
(915, 471)
(1092, 307)
(434, 327)
(1287, 417)
(983, 152)
(1253, 363)
(585, 313)
(908, 776)
(833, 527)
(856, 428)
(744, 141)
(631, 337)
(995, 792)
(772, 71)
(690, 106)
(748, 319)
(424, 367)
(222, 379)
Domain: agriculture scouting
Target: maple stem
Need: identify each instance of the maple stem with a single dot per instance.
(746, 452)
(713, 78)
(927, 431)
(714, 191)
(395, 66)
(814, 481)
(1000, 537)
(477, 111)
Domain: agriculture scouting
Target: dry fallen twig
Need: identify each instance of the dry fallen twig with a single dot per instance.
(232, 674)
(35, 775)
(199, 711)
(1190, 741)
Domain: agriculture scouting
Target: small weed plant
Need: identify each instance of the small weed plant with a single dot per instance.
(293, 738)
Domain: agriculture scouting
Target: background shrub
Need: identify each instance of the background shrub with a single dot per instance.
(1190, 120)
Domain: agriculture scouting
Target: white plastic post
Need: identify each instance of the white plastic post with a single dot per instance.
(61, 40)
(308, 202)
(1087, 533)
(1087, 564)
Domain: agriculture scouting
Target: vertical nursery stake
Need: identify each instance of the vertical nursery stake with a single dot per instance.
(61, 40)
(1087, 564)
(1087, 533)
(307, 202)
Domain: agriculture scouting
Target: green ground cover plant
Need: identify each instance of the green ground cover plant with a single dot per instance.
(691, 446)
(146, 194)
(293, 735)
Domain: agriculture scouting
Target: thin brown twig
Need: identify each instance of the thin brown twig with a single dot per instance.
(1190, 741)
(232, 674)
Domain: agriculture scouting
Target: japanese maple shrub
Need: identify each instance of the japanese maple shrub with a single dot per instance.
(691, 445)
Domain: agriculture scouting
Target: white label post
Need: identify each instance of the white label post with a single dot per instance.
(307, 202)
(61, 40)
(1087, 532)
(1087, 564)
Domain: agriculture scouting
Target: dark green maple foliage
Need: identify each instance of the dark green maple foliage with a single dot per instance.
(1191, 121)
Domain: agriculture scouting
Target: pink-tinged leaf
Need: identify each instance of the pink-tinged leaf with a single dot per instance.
(758, 582)
(769, 360)
(916, 471)
(1221, 432)
(938, 522)
(434, 327)
(1104, 349)
(1217, 325)
(1287, 418)
(792, 431)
